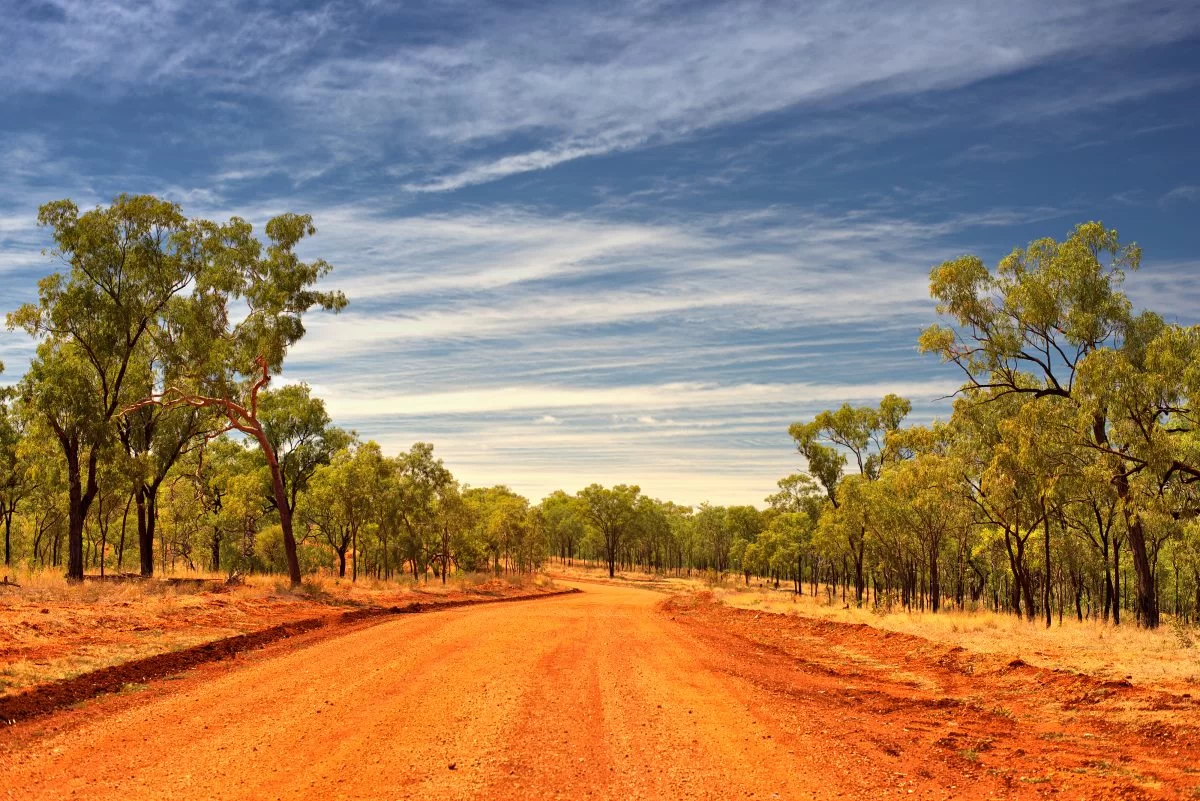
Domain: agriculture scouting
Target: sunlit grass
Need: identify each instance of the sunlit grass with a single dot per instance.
(1166, 656)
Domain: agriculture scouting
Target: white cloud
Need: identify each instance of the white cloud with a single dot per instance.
(1188, 193)
(586, 80)
(513, 90)
(358, 403)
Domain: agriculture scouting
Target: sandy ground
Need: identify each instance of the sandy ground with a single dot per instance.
(615, 693)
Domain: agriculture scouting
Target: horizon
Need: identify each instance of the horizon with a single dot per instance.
(628, 246)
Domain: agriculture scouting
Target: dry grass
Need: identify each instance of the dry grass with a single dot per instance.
(51, 629)
(1168, 657)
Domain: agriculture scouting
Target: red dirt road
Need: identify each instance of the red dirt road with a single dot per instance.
(604, 695)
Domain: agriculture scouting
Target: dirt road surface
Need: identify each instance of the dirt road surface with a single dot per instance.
(609, 694)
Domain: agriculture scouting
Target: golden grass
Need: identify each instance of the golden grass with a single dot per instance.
(1168, 657)
(51, 629)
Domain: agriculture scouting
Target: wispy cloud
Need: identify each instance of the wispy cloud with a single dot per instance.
(508, 91)
(352, 405)
(1188, 193)
(589, 80)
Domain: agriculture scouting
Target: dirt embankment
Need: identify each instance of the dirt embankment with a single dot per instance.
(905, 700)
(68, 632)
(46, 698)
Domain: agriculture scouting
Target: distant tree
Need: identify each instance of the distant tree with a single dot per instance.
(563, 517)
(419, 482)
(611, 512)
(342, 496)
(860, 432)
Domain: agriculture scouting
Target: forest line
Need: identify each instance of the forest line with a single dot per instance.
(1062, 481)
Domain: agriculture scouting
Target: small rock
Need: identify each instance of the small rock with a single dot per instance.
(453, 766)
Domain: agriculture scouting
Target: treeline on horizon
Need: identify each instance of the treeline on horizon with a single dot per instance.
(1064, 481)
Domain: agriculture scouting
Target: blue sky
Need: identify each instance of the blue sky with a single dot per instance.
(616, 242)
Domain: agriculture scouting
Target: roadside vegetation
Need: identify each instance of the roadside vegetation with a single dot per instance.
(1167, 657)
(146, 438)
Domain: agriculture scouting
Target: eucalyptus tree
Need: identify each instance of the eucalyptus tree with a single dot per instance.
(611, 513)
(713, 534)
(46, 498)
(418, 481)
(923, 498)
(124, 264)
(1052, 324)
(652, 526)
(231, 363)
(453, 522)
(301, 438)
(154, 438)
(861, 433)
(563, 518)
(15, 481)
(342, 498)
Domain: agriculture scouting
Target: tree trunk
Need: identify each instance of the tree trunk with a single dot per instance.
(216, 550)
(935, 588)
(1116, 585)
(1147, 595)
(145, 535)
(1046, 589)
(124, 523)
(79, 500)
(1110, 596)
(341, 552)
(281, 503)
(103, 535)
(445, 553)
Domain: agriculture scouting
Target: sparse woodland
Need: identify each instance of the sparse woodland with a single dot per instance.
(147, 436)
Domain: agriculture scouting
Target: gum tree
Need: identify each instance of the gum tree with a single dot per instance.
(859, 432)
(124, 265)
(611, 513)
(1051, 314)
(233, 362)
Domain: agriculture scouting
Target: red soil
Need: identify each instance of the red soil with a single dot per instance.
(614, 693)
